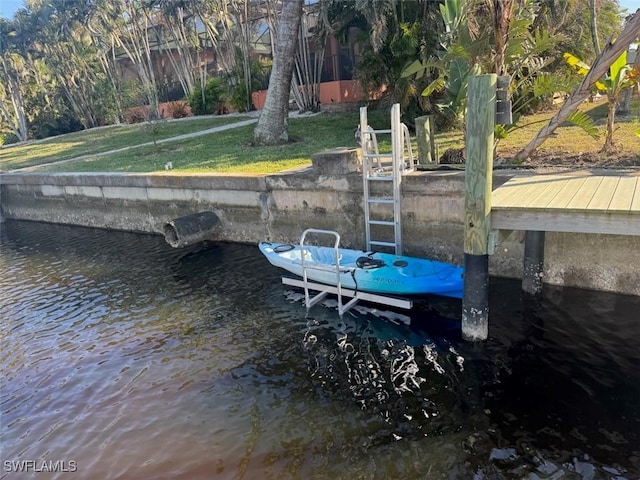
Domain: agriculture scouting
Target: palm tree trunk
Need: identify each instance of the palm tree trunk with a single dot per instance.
(502, 18)
(593, 24)
(272, 125)
(18, 121)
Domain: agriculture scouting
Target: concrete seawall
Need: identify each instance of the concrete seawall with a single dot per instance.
(279, 207)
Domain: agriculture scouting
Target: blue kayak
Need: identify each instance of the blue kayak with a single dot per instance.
(373, 272)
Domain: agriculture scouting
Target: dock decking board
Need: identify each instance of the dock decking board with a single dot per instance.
(635, 203)
(604, 194)
(623, 198)
(553, 187)
(567, 194)
(516, 188)
(575, 202)
(581, 199)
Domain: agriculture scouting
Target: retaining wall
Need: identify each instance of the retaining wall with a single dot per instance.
(279, 207)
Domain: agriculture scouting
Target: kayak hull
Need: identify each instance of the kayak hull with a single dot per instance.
(380, 273)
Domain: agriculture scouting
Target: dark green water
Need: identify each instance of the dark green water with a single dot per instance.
(134, 360)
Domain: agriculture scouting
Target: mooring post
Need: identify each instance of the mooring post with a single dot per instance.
(533, 264)
(481, 112)
(425, 136)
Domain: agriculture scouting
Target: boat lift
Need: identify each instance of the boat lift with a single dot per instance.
(376, 167)
(323, 290)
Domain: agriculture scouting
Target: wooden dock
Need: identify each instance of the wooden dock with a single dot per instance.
(580, 202)
(599, 202)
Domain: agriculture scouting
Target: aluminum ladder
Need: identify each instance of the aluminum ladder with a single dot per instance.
(383, 206)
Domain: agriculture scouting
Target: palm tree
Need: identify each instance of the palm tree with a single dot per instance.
(308, 67)
(12, 111)
(393, 34)
(126, 25)
(503, 10)
(272, 127)
(176, 32)
(593, 24)
(15, 74)
(619, 78)
(65, 46)
(610, 53)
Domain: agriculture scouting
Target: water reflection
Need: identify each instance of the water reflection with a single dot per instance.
(140, 361)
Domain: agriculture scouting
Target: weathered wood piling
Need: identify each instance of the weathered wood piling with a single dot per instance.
(481, 111)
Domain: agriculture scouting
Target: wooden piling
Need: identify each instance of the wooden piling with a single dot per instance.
(425, 136)
(481, 111)
(533, 262)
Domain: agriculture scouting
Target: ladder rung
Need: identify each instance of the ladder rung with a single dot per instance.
(384, 167)
(383, 244)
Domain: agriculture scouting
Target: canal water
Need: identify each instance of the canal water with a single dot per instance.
(124, 358)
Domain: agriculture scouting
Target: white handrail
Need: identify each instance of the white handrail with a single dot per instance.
(308, 299)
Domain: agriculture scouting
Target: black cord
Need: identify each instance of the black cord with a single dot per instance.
(353, 275)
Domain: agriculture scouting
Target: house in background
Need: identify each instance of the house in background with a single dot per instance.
(338, 88)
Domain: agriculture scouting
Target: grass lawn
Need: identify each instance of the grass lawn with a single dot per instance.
(567, 139)
(98, 140)
(571, 141)
(230, 150)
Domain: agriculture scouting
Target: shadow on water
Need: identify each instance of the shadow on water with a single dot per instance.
(198, 362)
(572, 383)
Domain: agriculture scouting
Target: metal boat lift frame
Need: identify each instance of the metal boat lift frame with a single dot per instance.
(375, 168)
(323, 290)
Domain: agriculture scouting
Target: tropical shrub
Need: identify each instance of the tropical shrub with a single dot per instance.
(240, 89)
(9, 138)
(137, 114)
(177, 109)
(209, 101)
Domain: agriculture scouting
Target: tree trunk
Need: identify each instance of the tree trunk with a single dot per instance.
(593, 24)
(308, 69)
(502, 19)
(609, 146)
(272, 124)
(15, 116)
(602, 63)
(18, 121)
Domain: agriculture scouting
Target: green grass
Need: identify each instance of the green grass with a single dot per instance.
(98, 140)
(567, 140)
(231, 151)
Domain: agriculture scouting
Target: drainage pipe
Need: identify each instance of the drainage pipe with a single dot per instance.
(191, 229)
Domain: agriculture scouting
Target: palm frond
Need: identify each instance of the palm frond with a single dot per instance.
(435, 86)
(585, 122)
